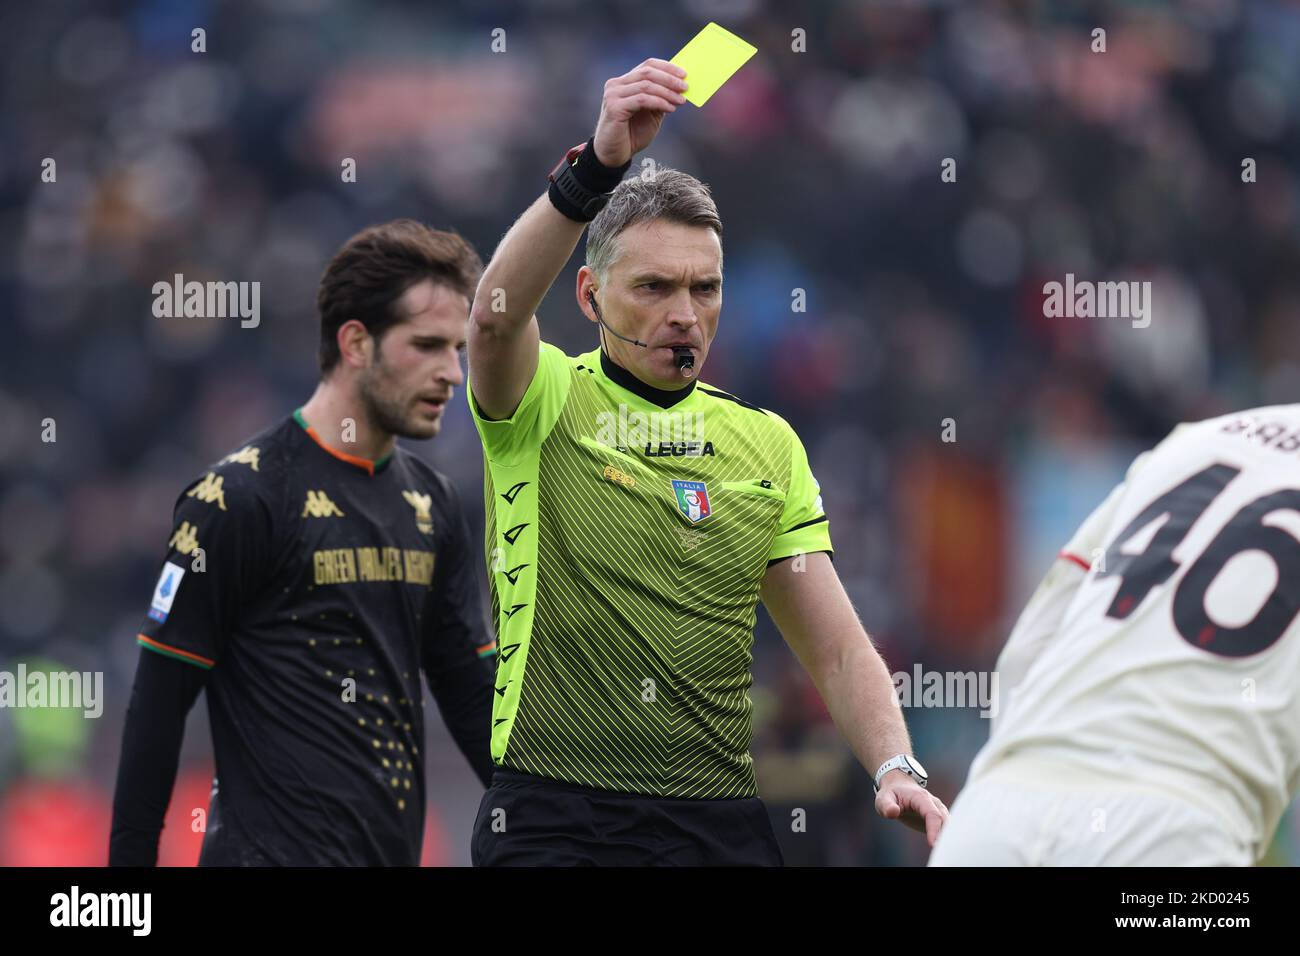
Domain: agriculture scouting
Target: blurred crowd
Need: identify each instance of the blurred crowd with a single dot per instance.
(959, 436)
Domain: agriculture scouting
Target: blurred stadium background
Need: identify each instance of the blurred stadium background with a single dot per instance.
(924, 303)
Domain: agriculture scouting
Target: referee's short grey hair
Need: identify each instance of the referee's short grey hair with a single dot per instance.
(669, 194)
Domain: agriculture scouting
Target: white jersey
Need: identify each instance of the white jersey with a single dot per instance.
(1164, 645)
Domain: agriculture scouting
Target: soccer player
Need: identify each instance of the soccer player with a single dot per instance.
(635, 517)
(1153, 713)
(311, 576)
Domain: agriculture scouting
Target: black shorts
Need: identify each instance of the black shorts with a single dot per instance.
(525, 820)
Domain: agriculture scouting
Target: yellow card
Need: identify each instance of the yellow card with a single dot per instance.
(709, 60)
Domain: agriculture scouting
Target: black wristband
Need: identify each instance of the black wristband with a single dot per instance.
(594, 174)
(580, 184)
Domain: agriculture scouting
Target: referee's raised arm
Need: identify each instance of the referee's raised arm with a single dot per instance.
(503, 333)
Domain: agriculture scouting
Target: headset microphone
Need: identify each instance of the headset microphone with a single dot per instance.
(601, 319)
(683, 356)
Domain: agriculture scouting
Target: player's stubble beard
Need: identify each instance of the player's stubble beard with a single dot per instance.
(384, 407)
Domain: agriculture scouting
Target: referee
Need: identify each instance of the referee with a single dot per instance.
(312, 574)
(635, 516)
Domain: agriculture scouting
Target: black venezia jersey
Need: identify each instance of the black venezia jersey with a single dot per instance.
(316, 586)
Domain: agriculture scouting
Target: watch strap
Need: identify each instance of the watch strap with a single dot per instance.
(580, 184)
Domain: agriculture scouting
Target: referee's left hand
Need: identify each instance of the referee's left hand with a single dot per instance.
(902, 798)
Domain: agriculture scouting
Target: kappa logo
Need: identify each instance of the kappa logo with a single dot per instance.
(210, 490)
(692, 500)
(245, 456)
(186, 538)
(318, 505)
(422, 505)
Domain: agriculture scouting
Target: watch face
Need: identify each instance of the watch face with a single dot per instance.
(916, 765)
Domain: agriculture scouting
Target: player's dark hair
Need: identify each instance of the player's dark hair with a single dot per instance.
(375, 267)
(669, 194)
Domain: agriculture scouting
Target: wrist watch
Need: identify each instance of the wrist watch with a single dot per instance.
(581, 184)
(909, 765)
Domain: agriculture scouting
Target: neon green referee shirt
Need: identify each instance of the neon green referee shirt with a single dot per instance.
(628, 532)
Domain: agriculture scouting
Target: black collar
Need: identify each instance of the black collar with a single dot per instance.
(664, 398)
